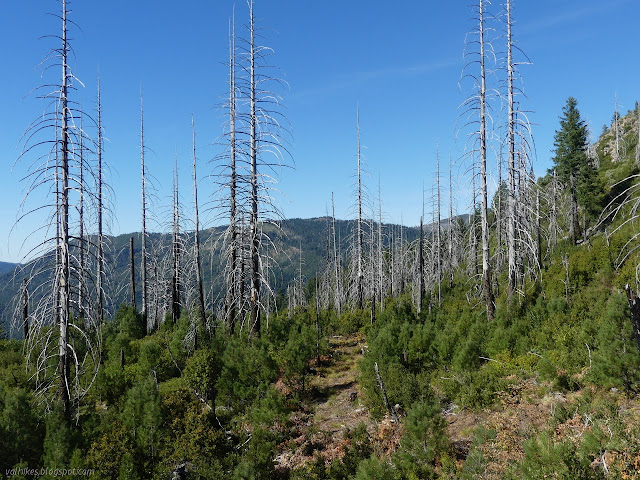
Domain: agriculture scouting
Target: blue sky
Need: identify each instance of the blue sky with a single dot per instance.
(401, 62)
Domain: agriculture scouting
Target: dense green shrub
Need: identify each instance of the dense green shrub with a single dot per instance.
(424, 439)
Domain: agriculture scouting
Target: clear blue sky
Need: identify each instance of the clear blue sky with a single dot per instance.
(400, 61)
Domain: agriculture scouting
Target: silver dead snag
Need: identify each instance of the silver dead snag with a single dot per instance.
(24, 297)
(390, 409)
(438, 238)
(486, 267)
(100, 260)
(233, 299)
(476, 107)
(263, 139)
(196, 234)
(337, 285)
(143, 253)
(511, 204)
(638, 133)
(61, 353)
(421, 287)
(254, 240)
(634, 307)
(176, 250)
(360, 232)
(132, 276)
(63, 271)
(520, 205)
(450, 232)
(381, 279)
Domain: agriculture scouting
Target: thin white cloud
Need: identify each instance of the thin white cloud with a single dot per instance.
(354, 79)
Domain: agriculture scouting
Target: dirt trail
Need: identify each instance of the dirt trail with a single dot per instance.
(333, 408)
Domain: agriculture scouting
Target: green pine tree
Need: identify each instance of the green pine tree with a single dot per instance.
(573, 166)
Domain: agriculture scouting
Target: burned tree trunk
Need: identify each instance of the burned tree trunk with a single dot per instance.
(64, 267)
(176, 251)
(634, 306)
(132, 275)
(254, 239)
(360, 239)
(143, 268)
(392, 411)
(100, 199)
(421, 288)
(25, 309)
(196, 233)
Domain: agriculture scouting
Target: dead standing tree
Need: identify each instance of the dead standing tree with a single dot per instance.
(100, 184)
(519, 147)
(476, 113)
(61, 173)
(359, 250)
(264, 139)
(196, 234)
(143, 192)
(232, 203)
(176, 251)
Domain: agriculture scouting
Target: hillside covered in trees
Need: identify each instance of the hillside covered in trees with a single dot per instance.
(548, 387)
(503, 343)
(298, 250)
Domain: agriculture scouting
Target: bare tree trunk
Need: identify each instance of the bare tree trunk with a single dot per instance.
(176, 253)
(25, 309)
(232, 298)
(381, 283)
(538, 231)
(143, 254)
(390, 409)
(553, 216)
(421, 289)
(242, 267)
(438, 233)
(82, 244)
(54, 339)
(254, 241)
(100, 259)
(132, 275)
(372, 271)
(196, 233)
(499, 216)
(451, 263)
(64, 271)
(317, 318)
(616, 126)
(486, 267)
(359, 250)
(638, 137)
(634, 306)
(336, 262)
(473, 226)
(400, 256)
(511, 234)
(392, 259)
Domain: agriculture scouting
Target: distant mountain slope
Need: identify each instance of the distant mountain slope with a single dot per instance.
(7, 267)
(294, 235)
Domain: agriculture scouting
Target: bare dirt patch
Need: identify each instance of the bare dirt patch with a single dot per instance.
(334, 407)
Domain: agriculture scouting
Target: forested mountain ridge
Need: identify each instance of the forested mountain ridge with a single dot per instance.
(292, 238)
(7, 267)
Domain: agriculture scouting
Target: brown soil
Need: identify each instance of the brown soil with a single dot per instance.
(334, 407)
(526, 407)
